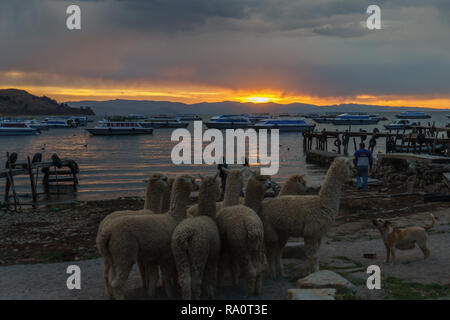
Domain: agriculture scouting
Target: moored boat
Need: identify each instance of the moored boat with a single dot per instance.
(401, 124)
(256, 117)
(188, 117)
(354, 119)
(413, 115)
(284, 125)
(110, 128)
(163, 121)
(56, 122)
(16, 128)
(228, 122)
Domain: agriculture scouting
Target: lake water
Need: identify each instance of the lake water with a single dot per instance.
(115, 166)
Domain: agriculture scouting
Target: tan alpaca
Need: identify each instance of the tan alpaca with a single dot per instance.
(303, 216)
(145, 239)
(196, 245)
(295, 185)
(157, 188)
(242, 233)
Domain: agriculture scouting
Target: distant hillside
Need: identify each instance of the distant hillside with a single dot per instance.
(120, 107)
(19, 102)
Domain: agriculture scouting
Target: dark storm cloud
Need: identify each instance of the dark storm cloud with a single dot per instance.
(316, 47)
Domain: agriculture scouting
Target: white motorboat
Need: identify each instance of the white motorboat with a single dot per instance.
(110, 128)
(188, 117)
(57, 122)
(16, 128)
(401, 124)
(228, 122)
(256, 117)
(285, 125)
(413, 115)
(164, 121)
(354, 119)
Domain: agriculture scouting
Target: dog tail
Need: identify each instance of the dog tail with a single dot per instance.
(428, 227)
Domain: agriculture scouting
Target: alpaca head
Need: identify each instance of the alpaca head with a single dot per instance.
(235, 180)
(210, 185)
(340, 168)
(184, 183)
(296, 184)
(259, 182)
(157, 182)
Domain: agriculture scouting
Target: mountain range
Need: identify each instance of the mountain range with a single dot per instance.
(121, 107)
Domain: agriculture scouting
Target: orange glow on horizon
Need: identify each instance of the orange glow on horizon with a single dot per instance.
(197, 94)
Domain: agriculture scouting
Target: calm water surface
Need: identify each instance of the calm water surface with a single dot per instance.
(115, 166)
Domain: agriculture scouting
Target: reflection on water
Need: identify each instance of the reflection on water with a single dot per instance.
(115, 166)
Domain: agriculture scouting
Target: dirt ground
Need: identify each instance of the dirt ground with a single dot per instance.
(37, 246)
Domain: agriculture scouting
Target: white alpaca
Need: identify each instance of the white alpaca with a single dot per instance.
(145, 239)
(196, 245)
(155, 198)
(242, 232)
(303, 216)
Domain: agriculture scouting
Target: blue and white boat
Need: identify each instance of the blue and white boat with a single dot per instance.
(229, 122)
(112, 128)
(285, 125)
(16, 128)
(401, 124)
(413, 115)
(56, 122)
(164, 121)
(256, 117)
(188, 117)
(354, 119)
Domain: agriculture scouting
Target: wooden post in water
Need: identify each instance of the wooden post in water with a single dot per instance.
(32, 181)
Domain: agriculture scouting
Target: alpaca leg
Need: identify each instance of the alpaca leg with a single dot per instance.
(152, 279)
(197, 275)
(184, 279)
(168, 270)
(272, 260)
(258, 283)
(108, 275)
(222, 269)
(144, 274)
(311, 247)
(209, 282)
(121, 273)
(271, 242)
(279, 264)
(248, 277)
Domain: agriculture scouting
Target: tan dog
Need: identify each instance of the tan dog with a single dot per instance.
(403, 238)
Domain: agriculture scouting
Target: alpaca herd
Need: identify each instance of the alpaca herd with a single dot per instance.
(191, 249)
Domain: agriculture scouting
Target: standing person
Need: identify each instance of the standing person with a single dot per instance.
(363, 160)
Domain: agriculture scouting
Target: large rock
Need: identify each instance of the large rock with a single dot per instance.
(326, 279)
(311, 294)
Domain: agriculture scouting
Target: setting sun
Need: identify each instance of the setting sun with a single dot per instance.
(258, 99)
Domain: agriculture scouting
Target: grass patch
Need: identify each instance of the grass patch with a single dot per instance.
(400, 290)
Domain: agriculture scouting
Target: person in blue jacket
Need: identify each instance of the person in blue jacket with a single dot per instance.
(363, 160)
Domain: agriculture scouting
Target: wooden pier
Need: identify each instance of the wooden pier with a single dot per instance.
(420, 140)
(56, 172)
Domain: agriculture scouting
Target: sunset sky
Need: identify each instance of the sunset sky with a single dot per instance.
(311, 51)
